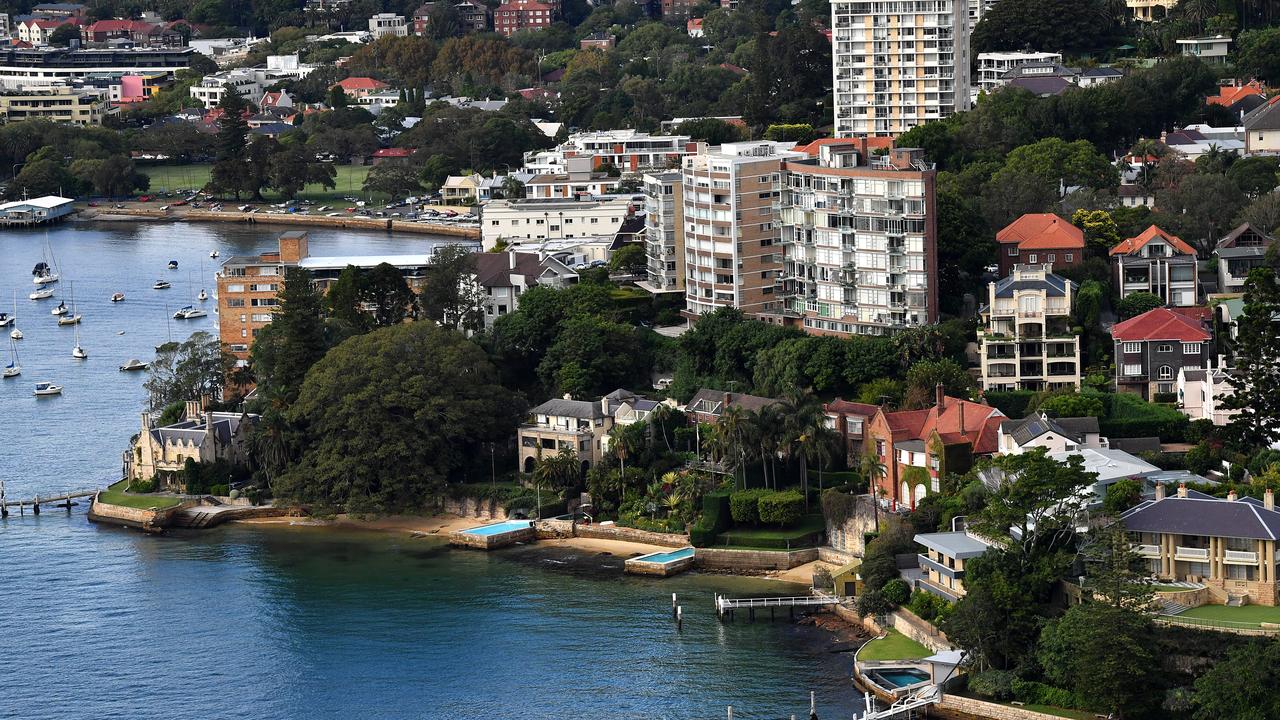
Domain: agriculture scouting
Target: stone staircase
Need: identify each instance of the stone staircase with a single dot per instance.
(1169, 607)
(1237, 600)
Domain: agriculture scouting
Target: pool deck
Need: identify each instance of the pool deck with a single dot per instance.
(465, 538)
(644, 565)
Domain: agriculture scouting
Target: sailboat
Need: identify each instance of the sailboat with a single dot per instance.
(60, 310)
(168, 329)
(13, 369)
(45, 273)
(43, 293)
(15, 333)
(69, 318)
(78, 352)
(203, 295)
(6, 319)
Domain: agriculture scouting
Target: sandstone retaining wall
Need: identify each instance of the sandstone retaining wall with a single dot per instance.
(148, 520)
(754, 560)
(484, 509)
(617, 532)
(955, 706)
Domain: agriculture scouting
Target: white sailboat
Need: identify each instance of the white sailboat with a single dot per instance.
(46, 272)
(78, 352)
(60, 310)
(203, 295)
(69, 318)
(15, 333)
(43, 293)
(13, 369)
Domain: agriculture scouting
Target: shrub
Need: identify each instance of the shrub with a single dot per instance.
(715, 511)
(781, 508)
(873, 602)
(142, 486)
(928, 607)
(993, 684)
(1036, 693)
(1203, 457)
(744, 506)
(218, 490)
(1012, 403)
(701, 534)
(896, 592)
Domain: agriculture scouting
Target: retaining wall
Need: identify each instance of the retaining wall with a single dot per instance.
(955, 706)
(148, 520)
(475, 508)
(554, 529)
(617, 532)
(754, 560)
(849, 537)
(388, 224)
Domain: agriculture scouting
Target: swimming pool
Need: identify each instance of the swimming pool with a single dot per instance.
(499, 528)
(890, 678)
(667, 557)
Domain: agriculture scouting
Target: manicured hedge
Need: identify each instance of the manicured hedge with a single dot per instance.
(744, 506)
(781, 508)
(1012, 403)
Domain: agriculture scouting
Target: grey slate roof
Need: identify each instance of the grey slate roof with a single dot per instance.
(959, 545)
(1263, 117)
(1053, 285)
(1199, 516)
(1042, 86)
(1033, 426)
(582, 409)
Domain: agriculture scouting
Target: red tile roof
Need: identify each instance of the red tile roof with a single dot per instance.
(873, 143)
(1229, 95)
(361, 83)
(1134, 244)
(850, 407)
(956, 421)
(393, 152)
(1041, 231)
(1160, 324)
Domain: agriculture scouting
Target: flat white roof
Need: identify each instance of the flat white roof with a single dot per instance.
(337, 262)
(47, 202)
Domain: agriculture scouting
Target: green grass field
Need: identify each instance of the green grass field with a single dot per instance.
(803, 534)
(115, 495)
(193, 177)
(1251, 614)
(894, 646)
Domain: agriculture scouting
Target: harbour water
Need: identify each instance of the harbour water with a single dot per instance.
(304, 622)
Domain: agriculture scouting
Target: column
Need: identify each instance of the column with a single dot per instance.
(1166, 556)
(1217, 554)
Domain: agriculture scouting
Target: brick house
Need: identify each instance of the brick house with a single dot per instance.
(1040, 239)
(849, 421)
(1152, 348)
(918, 447)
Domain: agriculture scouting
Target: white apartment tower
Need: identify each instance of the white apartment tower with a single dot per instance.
(730, 225)
(664, 232)
(898, 63)
(859, 236)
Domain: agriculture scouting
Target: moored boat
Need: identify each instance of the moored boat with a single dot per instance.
(44, 389)
(161, 285)
(43, 293)
(118, 297)
(133, 365)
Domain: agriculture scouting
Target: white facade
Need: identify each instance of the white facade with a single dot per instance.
(1026, 340)
(384, 24)
(628, 150)
(978, 8)
(1209, 49)
(555, 219)
(1201, 394)
(898, 63)
(993, 65)
(663, 232)
(247, 83)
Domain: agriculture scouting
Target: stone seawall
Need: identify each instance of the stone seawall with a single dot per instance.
(954, 707)
(754, 560)
(147, 520)
(616, 532)
(354, 223)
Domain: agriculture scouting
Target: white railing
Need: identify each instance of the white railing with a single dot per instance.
(1149, 551)
(1187, 553)
(1240, 557)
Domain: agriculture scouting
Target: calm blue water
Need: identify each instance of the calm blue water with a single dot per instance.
(300, 622)
(498, 528)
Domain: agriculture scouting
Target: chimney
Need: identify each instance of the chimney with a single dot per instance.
(511, 259)
(604, 405)
(1182, 489)
(193, 410)
(1159, 491)
(727, 397)
(940, 395)
(962, 415)
(146, 421)
(1232, 497)
(1269, 499)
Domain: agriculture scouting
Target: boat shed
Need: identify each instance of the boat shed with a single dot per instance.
(35, 210)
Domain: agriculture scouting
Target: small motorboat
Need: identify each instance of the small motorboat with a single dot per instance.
(133, 365)
(44, 389)
(43, 293)
(161, 285)
(173, 264)
(70, 319)
(213, 253)
(16, 334)
(60, 310)
(6, 319)
(188, 313)
(203, 295)
(118, 297)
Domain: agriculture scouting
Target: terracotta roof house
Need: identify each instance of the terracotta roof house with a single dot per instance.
(1152, 348)
(1159, 263)
(707, 405)
(1228, 545)
(358, 87)
(1240, 251)
(1262, 128)
(1239, 98)
(917, 447)
(391, 155)
(278, 99)
(1039, 239)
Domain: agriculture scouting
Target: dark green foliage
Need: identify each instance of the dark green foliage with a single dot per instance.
(744, 506)
(1073, 405)
(896, 592)
(781, 508)
(1103, 653)
(929, 607)
(1057, 25)
(1122, 495)
(1241, 687)
(1135, 304)
(295, 340)
(873, 602)
(1256, 384)
(993, 684)
(191, 370)
(1012, 403)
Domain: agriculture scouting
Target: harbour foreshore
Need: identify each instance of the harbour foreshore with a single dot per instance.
(135, 214)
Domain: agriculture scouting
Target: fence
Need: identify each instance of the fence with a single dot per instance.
(1233, 626)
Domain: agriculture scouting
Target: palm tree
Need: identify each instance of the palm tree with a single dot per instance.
(660, 418)
(556, 471)
(820, 445)
(871, 468)
(269, 444)
(733, 430)
(800, 414)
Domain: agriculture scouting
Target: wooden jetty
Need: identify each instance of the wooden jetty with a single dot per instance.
(62, 500)
(725, 607)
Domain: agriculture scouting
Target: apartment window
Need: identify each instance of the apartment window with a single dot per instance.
(1165, 372)
(1164, 387)
(880, 448)
(235, 288)
(1051, 258)
(235, 302)
(1166, 348)
(1132, 347)
(1191, 348)
(1132, 369)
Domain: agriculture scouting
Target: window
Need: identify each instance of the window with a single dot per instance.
(1165, 348)
(1051, 258)
(880, 448)
(1032, 258)
(1013, 251)
(1191, 348)
(1165, 372)
(1132, 347)
(1069, 257)
(1164, 387)
(1132, 369)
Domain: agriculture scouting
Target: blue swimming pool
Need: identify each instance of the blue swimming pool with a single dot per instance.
(898, 677)
(499, 528)
(666, 557)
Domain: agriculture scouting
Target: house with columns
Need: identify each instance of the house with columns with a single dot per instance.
(1228, 546)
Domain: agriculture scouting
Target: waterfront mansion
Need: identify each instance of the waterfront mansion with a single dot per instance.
(159, 453)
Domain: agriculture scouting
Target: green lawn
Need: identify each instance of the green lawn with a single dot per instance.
(1059, 712)
(805, 533)
(1251, 614)
(193, 177)
(115, 495)
(894, 646)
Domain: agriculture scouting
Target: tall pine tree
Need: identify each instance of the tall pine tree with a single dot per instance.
(1256, 382)
(230, 173)
(286, 349)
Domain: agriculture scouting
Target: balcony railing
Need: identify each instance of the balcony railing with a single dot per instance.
(1240, 557)
(926, 563)
(1147, 551)
(1188, 553)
